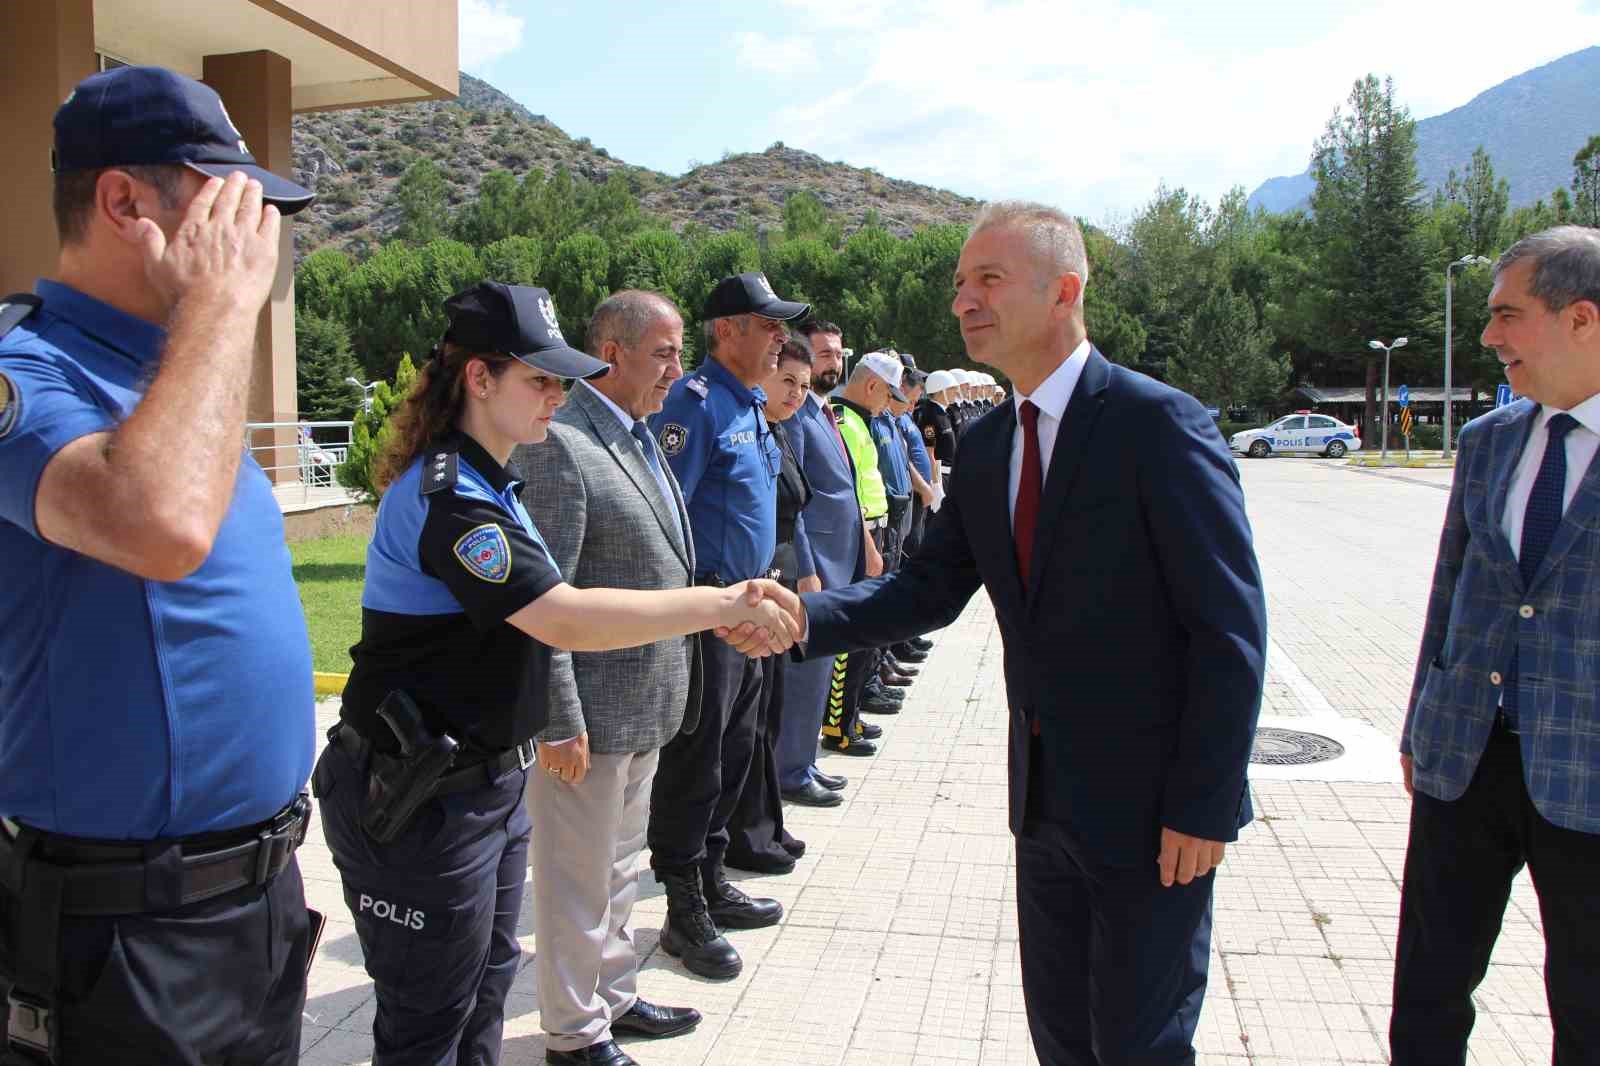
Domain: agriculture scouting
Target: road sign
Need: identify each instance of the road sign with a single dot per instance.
(1405, 422)
(1502, 394)
(1404, 397)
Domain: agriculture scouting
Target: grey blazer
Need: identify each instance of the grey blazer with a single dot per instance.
(597, 505)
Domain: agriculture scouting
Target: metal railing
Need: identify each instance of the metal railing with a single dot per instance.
(300, 458)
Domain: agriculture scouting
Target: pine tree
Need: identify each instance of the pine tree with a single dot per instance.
(323, 362)
(372, 433)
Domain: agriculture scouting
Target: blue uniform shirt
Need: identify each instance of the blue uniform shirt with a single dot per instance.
(912, 436)
(714, 434)
(892, 457)
(134, 709)
(453, 555)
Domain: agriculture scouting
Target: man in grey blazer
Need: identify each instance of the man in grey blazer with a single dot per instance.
(612, 515)
(1501, 745)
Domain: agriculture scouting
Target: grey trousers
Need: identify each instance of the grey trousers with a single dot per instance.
(586, 843)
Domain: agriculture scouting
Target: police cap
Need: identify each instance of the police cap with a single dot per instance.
(751, 294)
(519, 320)
(151, 116)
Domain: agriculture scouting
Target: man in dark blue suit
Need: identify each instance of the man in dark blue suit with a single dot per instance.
(1103, 514)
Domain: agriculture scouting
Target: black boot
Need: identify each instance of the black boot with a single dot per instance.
(689, 933)
(731, 908)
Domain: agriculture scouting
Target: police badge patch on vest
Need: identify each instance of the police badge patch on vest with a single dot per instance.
(10, 405)
(673, 438)
(485, 553)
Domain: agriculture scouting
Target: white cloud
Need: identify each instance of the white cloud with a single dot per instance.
(1089, 103)
(489, 29)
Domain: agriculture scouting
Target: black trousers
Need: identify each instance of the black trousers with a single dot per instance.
(701, 774)
(223, 980)
(755, 829)
(1460, 863)
(1113, 965)
(435, 910)
(859, 667)
(919, 521)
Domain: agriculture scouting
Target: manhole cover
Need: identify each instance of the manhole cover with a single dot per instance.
(1290, 747)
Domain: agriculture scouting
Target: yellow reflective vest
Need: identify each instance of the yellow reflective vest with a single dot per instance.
(863, 450)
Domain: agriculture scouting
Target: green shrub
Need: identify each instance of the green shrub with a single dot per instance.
(372, 433)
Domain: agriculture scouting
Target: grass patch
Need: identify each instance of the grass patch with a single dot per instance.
(330, 572)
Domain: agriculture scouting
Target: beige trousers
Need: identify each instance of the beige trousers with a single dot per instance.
(585, 856)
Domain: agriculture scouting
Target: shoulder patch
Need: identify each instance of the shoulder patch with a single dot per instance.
(439, 472)
(10, 405)
(928, 433)
(698, 386)
(673, 437)
(485, 553)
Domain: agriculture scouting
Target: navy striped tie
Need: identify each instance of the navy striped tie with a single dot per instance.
(1539, 523)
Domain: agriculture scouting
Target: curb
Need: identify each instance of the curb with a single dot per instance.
(329, 684)
(1434, 463)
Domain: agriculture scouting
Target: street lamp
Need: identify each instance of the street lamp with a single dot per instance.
(1464, 261)
(1386, 349)
(366, 391)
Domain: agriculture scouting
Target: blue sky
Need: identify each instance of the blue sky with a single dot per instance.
(1084, 105)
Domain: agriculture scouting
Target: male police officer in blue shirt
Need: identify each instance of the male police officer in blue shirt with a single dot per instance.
(714, 434)
(156, 720)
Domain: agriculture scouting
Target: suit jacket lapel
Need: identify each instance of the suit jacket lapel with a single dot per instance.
(991, 491)
(1066, 459)
(625, 450)
(1585, 504)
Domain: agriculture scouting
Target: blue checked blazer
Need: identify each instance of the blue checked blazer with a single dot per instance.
(1475, 620)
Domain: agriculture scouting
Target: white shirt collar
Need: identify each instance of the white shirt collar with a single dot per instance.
(1055, 391)
(1587, 413)
(624, 417)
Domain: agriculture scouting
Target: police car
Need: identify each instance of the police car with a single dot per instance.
(1301, 433)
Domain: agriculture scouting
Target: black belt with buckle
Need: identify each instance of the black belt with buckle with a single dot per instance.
(485, 771)
(110, 878)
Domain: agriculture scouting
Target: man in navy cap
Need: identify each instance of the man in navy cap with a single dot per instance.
(156, 720)
(714, 434)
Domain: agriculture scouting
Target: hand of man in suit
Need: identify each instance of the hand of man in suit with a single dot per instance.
(750, 639)
(1184, 858)
(809, 584)
(874, 558)
(568, 760)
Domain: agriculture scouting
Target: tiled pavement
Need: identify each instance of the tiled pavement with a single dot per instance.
(900, 944)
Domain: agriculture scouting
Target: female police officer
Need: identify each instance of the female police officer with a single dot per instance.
(421, 784)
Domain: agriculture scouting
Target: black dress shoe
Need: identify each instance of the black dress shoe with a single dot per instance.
(647, 1019)
(880, 703)
(606, 1053)
(893, 679)
(812, 794)
(832, 782)
(905, 671)
(795, 848)
(910, 655)
(779, 861)
(731, 908)
(921, 643)
(852, 747)
(868, 731)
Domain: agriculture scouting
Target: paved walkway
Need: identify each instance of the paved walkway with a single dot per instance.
(900, 942)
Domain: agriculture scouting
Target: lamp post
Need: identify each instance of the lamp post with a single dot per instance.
(1386, 349)
(366, 391)
(1464, 261)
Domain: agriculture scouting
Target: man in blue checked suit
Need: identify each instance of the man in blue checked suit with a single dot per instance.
(1501, 745)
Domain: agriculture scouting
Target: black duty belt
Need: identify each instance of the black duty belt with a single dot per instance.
(483, 771)
(110, 878)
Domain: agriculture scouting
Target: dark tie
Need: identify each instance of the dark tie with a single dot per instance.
(1539, 523)
(647, 444)
(827, 409)
(1028, 490)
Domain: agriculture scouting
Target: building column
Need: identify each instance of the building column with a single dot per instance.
(46, 49)
(255, 88)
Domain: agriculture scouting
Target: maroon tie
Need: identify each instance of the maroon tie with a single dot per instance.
(1028, 490)
(844, 449)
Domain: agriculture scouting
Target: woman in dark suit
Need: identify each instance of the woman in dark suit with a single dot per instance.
(757, 840)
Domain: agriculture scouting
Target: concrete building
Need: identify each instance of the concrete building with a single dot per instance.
(268, 59)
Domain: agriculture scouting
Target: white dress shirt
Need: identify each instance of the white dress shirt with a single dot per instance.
(1581, 444)
(1051, 398)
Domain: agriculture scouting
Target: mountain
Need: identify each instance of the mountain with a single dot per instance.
(354, 158)
(1532, 125)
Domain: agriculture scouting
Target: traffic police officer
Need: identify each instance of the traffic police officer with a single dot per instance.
(933, 418)
(713, 432)
(156, 709)
(422, 782)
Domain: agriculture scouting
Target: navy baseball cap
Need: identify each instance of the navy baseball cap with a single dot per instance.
(519, 320)
(751, 294)
(151, 116)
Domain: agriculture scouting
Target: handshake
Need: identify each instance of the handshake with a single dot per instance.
(762, 618)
